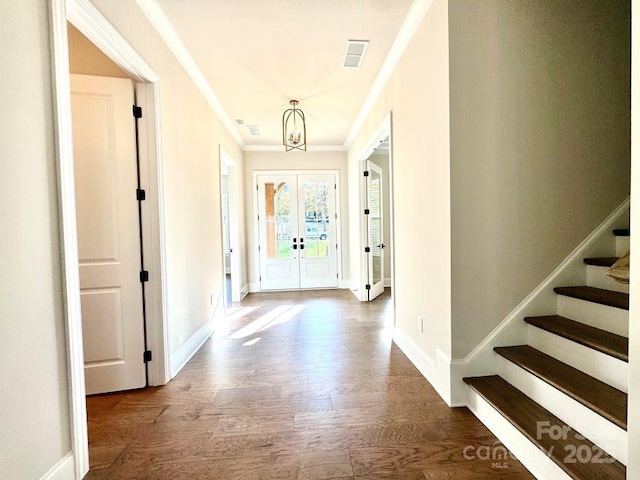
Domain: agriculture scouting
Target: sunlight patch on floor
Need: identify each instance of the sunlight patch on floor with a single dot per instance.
(276, 316)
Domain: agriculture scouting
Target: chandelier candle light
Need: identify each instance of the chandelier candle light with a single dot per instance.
(294, 129)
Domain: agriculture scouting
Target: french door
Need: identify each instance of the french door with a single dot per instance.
(297, 230)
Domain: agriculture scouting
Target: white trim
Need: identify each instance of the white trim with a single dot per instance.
(63, 470)
(168, 33)
(86, 18)
(90, 22)
(517, 313)
(191, 346)
(435, 369)
(280, 148)
(254, 287)
(69, 236)
(387, 282)
(412, 21)
(155, 238)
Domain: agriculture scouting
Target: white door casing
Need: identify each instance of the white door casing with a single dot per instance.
(297, 230)
(375, 229)
(108, 233)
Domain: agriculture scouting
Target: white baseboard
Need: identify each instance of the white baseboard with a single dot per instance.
(244, 291)
(435, 370)
(191, 346)
(254, 287)
(387, 282)
(63, 470)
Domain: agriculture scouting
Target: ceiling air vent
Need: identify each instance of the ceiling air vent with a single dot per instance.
(355, 53)
(254, 129)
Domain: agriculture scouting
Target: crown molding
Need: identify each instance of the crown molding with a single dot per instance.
(415, 15)
(168, 33)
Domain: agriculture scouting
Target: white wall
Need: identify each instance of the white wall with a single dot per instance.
(540, 128)
(191, 137)
(87, 59)
(294, 160)
(34, 415)
(418, 96)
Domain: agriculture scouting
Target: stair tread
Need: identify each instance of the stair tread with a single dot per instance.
(525, 415)
(605, 400)
(596, 295)
(601, 261)
(621, 232)
(609, 343)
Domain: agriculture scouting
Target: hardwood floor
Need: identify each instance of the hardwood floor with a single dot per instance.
(303, 385)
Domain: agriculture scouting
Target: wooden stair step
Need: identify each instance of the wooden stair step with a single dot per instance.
(525, 415)
(621, 232)
(603, 399)
(608, 343)
(601, 261)
(596, 295)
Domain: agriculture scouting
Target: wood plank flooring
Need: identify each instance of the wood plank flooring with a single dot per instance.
(296, 385)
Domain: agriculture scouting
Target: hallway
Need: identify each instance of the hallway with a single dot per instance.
(295, 385)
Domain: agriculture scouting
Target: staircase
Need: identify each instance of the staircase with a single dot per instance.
(560, 402)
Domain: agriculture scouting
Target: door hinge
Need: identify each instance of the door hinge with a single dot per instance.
(258, 217)
(366, 173)
(336, 216)
(337, 276)
(366, 211)
(367, 287)
(144, 276)
(140, 194)
(137, 111)
(258, 247)
(256, 187)
(336, 246)
(260, 278)
(367, 249)
(335, 186)
(146, 356)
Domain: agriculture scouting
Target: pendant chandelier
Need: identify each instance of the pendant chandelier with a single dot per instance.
(294, 129)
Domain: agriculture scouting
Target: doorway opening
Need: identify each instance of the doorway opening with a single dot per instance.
(232, 280)
(298, 229)
(86, 18)
(375, 165)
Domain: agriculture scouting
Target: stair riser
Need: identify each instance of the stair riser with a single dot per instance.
(604, 367)
(622, 245)
(611, 319)
(600, 431)
(537, 462)
(596, 277)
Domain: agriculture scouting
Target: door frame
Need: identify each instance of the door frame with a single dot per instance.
(256, 223)
(86, 18)
(383, 131)
(228, 162)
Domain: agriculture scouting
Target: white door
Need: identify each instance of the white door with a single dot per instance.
(318, 239)
(278, 232)
(108, 233)
(297, 231)
(374, 230)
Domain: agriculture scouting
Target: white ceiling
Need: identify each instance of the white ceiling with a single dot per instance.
(256, 55)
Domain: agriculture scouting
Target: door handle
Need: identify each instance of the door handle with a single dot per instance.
(302, 246)
(295, 246)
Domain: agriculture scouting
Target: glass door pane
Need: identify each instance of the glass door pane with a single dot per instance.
(277, 201)
(316, 219)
